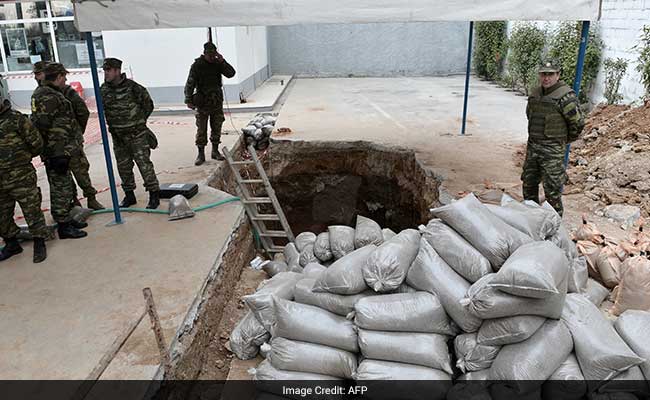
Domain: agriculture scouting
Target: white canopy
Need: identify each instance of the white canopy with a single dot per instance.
(98, 15)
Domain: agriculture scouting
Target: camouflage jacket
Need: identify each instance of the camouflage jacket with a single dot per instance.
(54, 117)
(554, 114)
(204, 81)
(126, 104)
(19, 140)
(79, 106)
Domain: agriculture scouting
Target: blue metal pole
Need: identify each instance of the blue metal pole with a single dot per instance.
(102, 127)
(467, 72)
(578, 78)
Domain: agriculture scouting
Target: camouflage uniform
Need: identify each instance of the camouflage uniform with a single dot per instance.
(19, 143)
(554, 118)
(128, 106)
(203, 89)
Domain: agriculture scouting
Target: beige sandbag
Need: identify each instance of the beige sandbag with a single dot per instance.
(608, 265)
(624, 249)
(590, 251)
(588, 231)
(634, 291)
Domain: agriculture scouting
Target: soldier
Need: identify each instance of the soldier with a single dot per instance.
(79, 164)
(19, 143)
(554, 118)
(203, 93)
(52, 114)
(128, 106)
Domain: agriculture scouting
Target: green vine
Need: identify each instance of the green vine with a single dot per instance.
(490, 48)
(643, 67)
(614, 72)
(526, 46)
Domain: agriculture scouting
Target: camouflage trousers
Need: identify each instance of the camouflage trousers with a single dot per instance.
(131, 147)
(19, 186)
(61, 194)
(544, 164)
(80, 167)
(216, 118)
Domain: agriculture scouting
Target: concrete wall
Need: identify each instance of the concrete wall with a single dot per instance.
(389, 49)
(249, 45)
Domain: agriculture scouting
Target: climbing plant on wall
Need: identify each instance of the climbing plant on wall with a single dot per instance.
(490, 48)
(614, 72)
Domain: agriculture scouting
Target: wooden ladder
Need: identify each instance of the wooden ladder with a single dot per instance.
(252, 202)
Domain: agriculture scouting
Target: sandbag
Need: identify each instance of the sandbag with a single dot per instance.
(492, 237)
(387, 234)
(578, 275)
(388, 265)
(371, 370)
(307, 256)
(404, 288)
(260, 303)
(631, 381)
(291, 256)
(562, 238)
(527, 364)
(601, 352)
(634, 291)
(486, 302)
(482, 375)
(596, 293)
(367, 232)
(566, 383)
(335, 303)
(588, 232)
(402, 312)
(471, 356)
(341, 240)
(304, 239)
(534, 221)
(313, 270)
(508, 330)
(247, 337)
(590, 251)
(345, 276)
(456, 251)
(634, 328)
(292, 355)
(270, 379)
(322, 249)
(272, 268)
(314, 325)
(429, 272)
(608, 265)
(426, 349)
(534, 270)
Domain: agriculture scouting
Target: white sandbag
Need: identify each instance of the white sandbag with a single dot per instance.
(341, 240)
(273, 380)
(404, 288)
(471, 356)
(508, 330)
(562, 238)
(291, 256)
(634, 328)
(345, 276)
(304, 239)
(566, 383)
(272, 268)
(313, 270)
(335, 303)
(293, 355)
(482, 375)
(367, 232)
(307, 256)
(314, 325)
(596, 293)
(631, 381)
(486, 302)
(371, 370)
(322, 249)
(426, 349)
(247, 337)
(492, 237)
(387, 234)
(260, 303)
(402, 312)
(601, 352)
(527, 364)
(456, 251)
(388, 265)
(534, 270)
(429, 272)
(578, 275)
(536, 222)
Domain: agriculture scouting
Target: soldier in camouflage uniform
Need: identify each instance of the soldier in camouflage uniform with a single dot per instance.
(19, 143)
(554, 119)
(203, 93)
(128, 106)
(52, 114)
(79, 164)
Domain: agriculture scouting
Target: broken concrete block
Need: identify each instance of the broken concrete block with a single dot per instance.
(626, 215)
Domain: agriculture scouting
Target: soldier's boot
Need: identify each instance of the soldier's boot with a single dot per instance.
(40, 252)
(93, 204)
(128, 200)
(68, 231)
(12, 247)
(79, 224)
(154, 200)
(200, 158)
(216, 155)
(76, 202)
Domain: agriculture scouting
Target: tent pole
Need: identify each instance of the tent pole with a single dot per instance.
(467, 72)
(102, 127)
(578, 78)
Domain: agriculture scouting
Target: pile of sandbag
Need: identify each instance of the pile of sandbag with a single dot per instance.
(259, 129)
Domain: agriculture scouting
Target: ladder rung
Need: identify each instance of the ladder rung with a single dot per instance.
(252, 181)
(257, 200)
(242, 162)
(276, 250)
(274, 234)
(266, 217)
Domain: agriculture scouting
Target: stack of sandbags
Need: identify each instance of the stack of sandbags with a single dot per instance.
(259, 129)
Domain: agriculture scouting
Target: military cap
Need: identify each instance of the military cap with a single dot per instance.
(549, 66)
(209, 47)
(39, 66)
(112, 63)
(54, 69)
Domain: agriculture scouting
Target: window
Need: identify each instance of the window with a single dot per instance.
(24, 44)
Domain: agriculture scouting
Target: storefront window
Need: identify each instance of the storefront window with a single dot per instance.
(25, 44)
(73, 51)
(22, 10)
(62, 8)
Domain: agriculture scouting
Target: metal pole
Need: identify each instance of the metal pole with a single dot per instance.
(467, 72)
(578, 79)
(102, 127)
